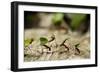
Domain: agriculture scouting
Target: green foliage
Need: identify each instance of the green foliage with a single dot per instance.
(43, 40)
(27, 42)
(57, 19)
(76, 20)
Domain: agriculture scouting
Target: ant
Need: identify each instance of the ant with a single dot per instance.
(63, 44)
(77, 49)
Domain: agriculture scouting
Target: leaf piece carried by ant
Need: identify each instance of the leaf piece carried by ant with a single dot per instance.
(77, 49)
(43, 40)
(28, 41)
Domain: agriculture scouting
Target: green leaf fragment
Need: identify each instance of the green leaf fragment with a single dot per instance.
(43, 40)
(27, 42)
(77, 45)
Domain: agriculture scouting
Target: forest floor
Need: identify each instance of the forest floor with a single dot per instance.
(36, 52)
